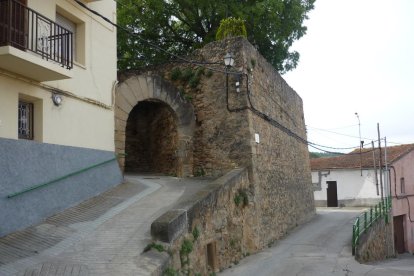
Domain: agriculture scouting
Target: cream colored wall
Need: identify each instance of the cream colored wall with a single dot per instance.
(75, 122)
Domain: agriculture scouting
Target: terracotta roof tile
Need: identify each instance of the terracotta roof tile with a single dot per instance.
(352, 159)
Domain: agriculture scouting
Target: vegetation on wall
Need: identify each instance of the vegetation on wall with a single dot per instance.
(231, 27)
(181, 26)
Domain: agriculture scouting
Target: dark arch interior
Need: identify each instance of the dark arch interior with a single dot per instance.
(151, 139)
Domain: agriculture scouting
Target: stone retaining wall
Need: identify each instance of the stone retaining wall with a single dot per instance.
(218, 222)
(377, 243)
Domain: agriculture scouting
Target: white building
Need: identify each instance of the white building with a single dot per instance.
(354, 179)
(57, 75)
(346, 180)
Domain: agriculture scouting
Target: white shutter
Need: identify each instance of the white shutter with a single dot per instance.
(71, 26)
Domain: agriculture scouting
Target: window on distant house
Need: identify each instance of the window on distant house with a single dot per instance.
(402, 185)
(25, 120)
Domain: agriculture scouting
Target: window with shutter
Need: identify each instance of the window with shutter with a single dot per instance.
(70, 26)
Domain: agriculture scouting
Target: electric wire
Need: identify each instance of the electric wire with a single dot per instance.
(196, 63)
(203, 64)
(338, 133)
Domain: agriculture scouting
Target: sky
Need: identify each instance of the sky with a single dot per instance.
(357, 56)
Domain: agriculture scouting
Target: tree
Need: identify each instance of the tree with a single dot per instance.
(181, 26)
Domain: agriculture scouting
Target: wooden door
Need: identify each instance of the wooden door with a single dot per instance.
(331, 194)
(399, 234)
(13, 21)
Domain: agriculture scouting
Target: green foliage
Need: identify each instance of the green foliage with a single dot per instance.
(186, 248)
(181, 26)
(209, 74)
(187, 74)
(253, 62)
(199, 171)
(231, 27)
(176, 74)
(169, 271)
(194, 81)
(237, 199)
(232, 243)
(196, 233)
(158, 247)
(200, 71)
(241, 197)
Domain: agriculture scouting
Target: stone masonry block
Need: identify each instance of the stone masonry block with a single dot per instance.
(135, 86)
(169, 226)
(120, 114)
(144, 87)
(150, 85)
(123, 104)
(129, 96)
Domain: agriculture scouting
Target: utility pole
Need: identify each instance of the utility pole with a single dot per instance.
(386, 175)
(380, 161)
(375, 167)
(360, 143)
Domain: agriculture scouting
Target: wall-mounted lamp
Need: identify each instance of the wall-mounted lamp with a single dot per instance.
(57, 99)
(229, 60)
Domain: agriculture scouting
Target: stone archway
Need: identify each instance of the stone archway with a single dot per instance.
(163, 124)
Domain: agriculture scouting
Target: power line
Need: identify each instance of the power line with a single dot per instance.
(196, 63)
(338, 133)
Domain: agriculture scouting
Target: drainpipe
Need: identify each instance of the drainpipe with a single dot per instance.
(380, 161)
(319, 183)
(387, 192)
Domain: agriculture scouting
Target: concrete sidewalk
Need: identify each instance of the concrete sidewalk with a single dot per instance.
(102, 236)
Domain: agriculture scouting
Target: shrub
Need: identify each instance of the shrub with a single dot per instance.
(176, 74)
(231, 27)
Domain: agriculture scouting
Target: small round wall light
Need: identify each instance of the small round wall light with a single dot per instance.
(228, 60)
(57, 99)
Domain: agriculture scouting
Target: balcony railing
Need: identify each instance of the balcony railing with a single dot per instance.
(27, 30)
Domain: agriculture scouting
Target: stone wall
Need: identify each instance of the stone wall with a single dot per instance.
(377, 243)
(281, 159)
(277, 178)
(230, 121)
(218, 222)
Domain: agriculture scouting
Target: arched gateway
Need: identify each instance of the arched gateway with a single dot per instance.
(154, 127)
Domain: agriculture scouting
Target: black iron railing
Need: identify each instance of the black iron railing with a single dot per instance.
(26, 29)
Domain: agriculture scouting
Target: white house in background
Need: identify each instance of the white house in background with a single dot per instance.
(351, 179)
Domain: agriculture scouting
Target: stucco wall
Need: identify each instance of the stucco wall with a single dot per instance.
(352, 188)
(75, 122)
(403, 168)
(24, 164)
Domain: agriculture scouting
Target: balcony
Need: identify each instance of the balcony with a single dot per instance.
(32, 45)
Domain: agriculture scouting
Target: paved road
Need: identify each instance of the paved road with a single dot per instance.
(102, 236)
(320, 247)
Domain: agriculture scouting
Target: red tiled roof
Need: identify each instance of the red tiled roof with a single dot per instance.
(353, 159)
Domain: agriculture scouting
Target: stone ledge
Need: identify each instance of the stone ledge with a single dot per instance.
(153, 263)
(175, 222)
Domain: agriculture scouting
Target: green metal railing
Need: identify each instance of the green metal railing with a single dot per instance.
(365, 220)
(42, 185)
